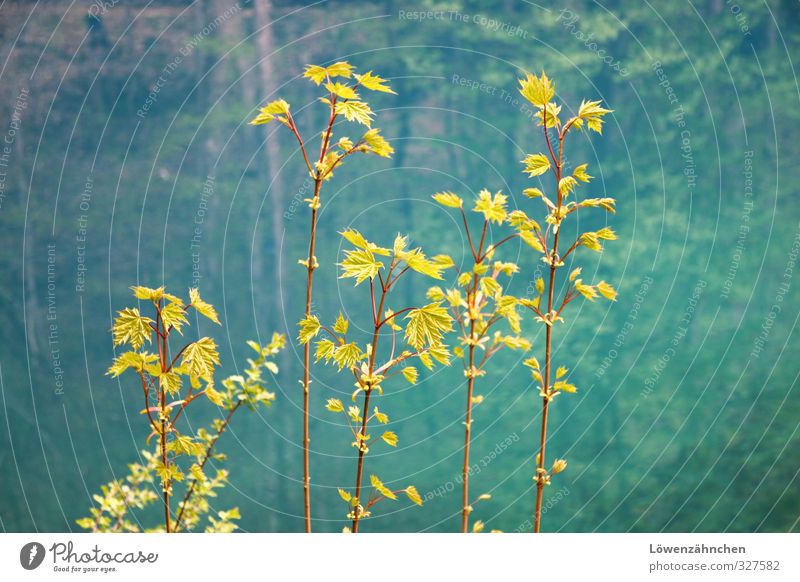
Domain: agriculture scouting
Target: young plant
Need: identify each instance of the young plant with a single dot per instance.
(477, 310)
(371, 364)
(341, 99)
(118, 499)
(539, 91)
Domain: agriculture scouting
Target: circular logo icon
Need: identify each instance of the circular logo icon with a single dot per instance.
(31, 555)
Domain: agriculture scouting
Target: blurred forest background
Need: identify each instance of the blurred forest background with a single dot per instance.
(687, 413)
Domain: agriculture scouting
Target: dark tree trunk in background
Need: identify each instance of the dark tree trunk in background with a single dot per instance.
(266, 46)
(216, 135)
(265, 42)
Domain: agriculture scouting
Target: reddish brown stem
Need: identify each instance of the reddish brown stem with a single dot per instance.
(307, 359)
(372, 295)
(360, 465)
(469, 236)
(571, 248)
(162, 403)
(393, 315)
(465, 507)
(540, 482)
(365, 411)
(471, 306)
(309, 284)
(494, 247)
(293, 127)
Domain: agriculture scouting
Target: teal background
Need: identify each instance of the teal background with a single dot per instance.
(687, 413)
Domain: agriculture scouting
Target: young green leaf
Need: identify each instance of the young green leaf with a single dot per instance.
(490, 286)
(592, 114)
(412, 493)
(536, 165)
(606, 233)
(400, 244)
(417, 261)
(531, 240)
(309, 328)
(335, 405)
(586, 290)
(410, 374)
(173, 316)
(360, 264)
(199, 357)
(318, 74)
(340, 69)
(607, 290)
(170, 383)
(146, 293)
(131, 327)
(377, 144)
(373, 83)
(270, 112)
(563, 386)
(356, 239)
(439, 353)
(325, 348)
(357, 111)
(381, 488)
(341, 90)
(135, 360)
(203, 308)
(380, 416)
(567, 185)
(590, 241)
(493, 208)
(427, 325)
(537, 90)
(347, 355)
(533, 192)
(580, 173)
(390, 438)
(341, 324)
(448, 199)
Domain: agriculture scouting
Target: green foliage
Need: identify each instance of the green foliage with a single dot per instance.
(427, 325)
(670, 235)
(342, 100)
(117, 500)
(539, 91)
(478, 304)
(179, 457)
(424, 333)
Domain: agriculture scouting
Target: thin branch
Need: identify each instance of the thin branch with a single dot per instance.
(494, 247)
(372, 297)
(293, 127)
(483, 238)
(338, 339)
(352, 150)
(547, 137)
(572, 248)
(400, 274)
(393, 315)
(469, 236)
